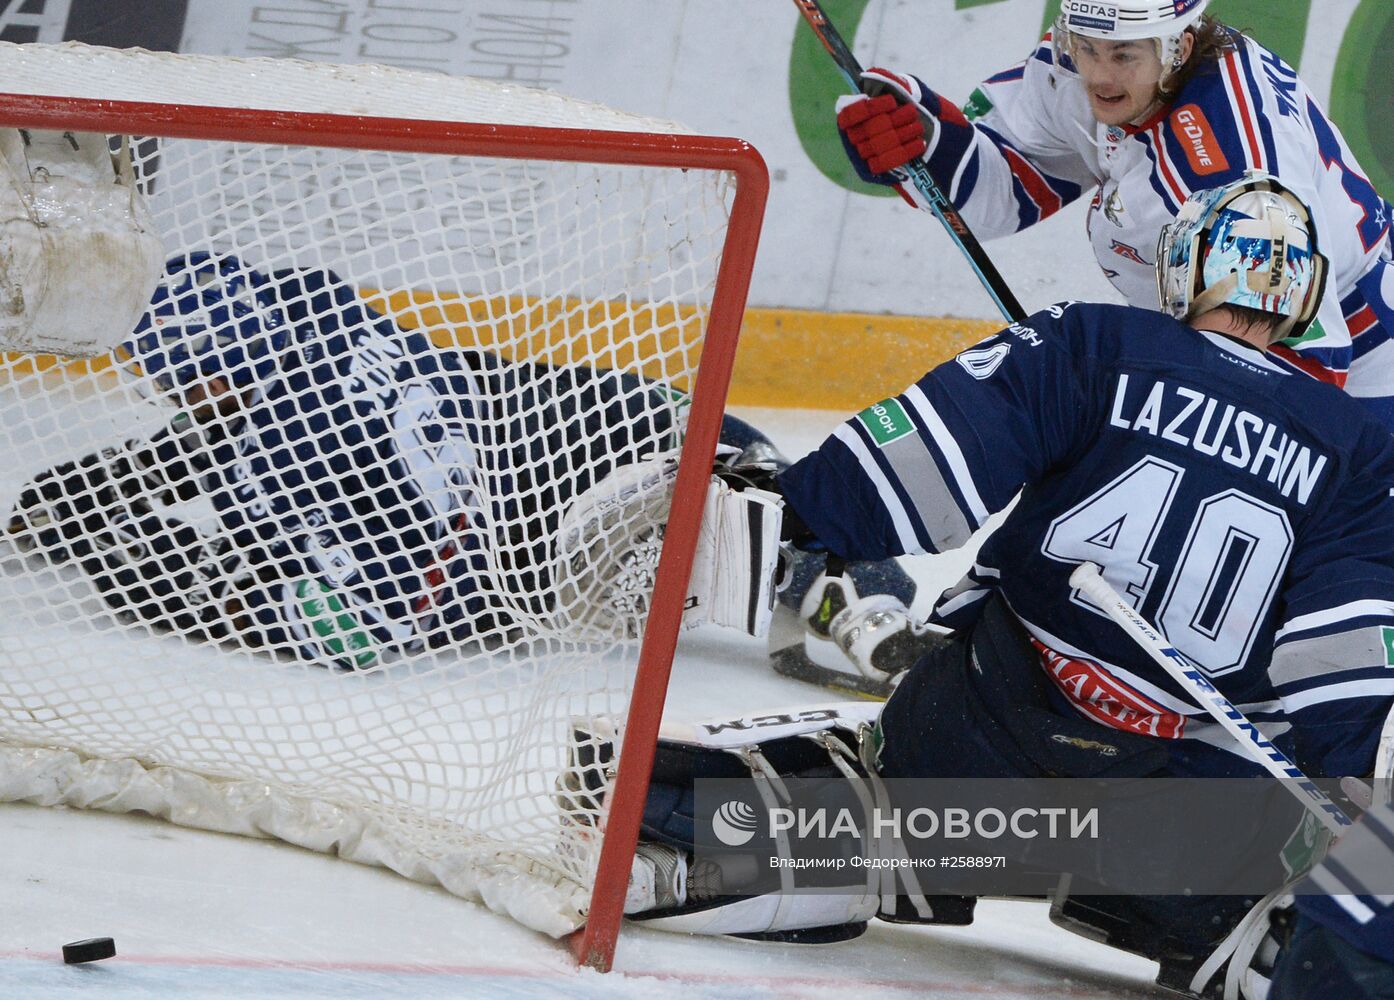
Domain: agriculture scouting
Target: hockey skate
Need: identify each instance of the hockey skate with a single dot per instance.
(853, 644)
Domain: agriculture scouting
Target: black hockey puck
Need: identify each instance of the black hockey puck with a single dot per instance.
(91, 950)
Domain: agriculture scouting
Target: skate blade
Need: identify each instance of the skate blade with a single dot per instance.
(794, 663)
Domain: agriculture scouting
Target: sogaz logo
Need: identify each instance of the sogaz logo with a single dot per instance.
(1080, 14)
(886, 421)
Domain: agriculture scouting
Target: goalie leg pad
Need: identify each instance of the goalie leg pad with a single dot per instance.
(739, 896)
(79, 250)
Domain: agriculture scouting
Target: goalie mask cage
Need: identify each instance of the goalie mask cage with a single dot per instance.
(544, 232)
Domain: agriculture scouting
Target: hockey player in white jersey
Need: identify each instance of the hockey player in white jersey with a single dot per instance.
(373, 494)
(1142, 102)
(1244, 508)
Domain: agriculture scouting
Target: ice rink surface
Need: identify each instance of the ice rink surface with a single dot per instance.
(210, 915)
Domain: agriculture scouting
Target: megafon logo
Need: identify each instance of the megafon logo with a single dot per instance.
(734, 823)
(1197, 138)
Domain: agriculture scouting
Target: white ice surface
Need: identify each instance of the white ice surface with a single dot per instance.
(207, 915)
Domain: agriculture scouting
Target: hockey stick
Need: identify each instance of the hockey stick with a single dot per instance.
(1088, 579)
(939, 203)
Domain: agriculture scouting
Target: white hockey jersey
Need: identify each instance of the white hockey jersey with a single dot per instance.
(1029, 144)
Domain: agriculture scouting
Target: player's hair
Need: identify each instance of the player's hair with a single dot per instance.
(1212, 41)
(1257, 320)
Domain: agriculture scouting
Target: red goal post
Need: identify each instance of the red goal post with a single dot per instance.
(593, 944)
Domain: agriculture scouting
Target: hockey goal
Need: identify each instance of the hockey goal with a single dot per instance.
(525, 232)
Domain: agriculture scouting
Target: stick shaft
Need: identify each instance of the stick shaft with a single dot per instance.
(1088, 579)
(920, 176)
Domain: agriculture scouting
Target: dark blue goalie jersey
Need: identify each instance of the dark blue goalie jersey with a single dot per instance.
(1245, 511)
(391, 495)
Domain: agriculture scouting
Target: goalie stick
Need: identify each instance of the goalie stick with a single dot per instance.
(1088, 579)
(939, 203)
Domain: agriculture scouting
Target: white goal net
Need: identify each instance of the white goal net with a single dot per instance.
(284, 563)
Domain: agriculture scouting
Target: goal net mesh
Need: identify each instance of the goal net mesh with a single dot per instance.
(372, 656)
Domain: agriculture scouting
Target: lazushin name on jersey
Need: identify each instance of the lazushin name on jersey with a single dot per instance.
(1190, 418)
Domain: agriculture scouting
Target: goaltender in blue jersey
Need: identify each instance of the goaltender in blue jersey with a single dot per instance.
(1246, 510)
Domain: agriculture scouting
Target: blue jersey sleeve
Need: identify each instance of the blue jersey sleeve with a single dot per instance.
(1349, 891)
(922, 471)
(1333, 657)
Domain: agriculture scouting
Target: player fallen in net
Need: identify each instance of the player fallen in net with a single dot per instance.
(1247, 511)
(376, 495)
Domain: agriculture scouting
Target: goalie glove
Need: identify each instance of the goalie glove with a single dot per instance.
(64, 508)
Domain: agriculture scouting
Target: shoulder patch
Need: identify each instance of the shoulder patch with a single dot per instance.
(886, 421)
(983, 362)
(979, 104)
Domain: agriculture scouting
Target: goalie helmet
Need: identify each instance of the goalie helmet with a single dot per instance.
(1165, 21)
(1250, 243)
(210, 317)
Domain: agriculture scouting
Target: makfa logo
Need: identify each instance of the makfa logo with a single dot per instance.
(1197, 138)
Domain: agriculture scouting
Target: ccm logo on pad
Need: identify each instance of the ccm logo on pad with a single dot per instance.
(1197, 138)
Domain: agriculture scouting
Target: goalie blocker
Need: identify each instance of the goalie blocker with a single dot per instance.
(603, 577)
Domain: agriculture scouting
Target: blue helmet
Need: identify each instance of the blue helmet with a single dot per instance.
(211, 317)
(1252, 244)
